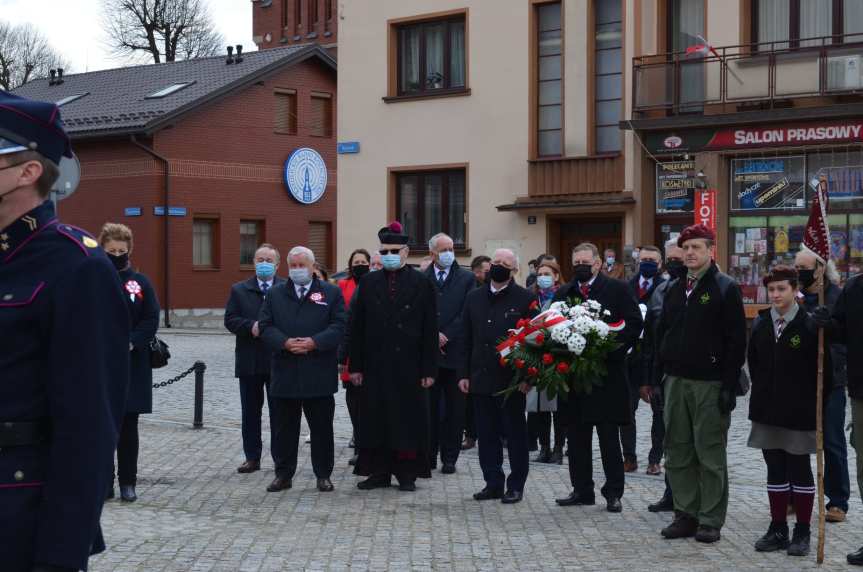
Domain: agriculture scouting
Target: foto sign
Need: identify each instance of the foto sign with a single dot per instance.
(705, 208)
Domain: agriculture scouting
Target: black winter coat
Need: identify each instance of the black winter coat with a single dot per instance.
(394, 344)
(320, 315)
(848, 329)
(144, 316)
(450, 307)
(703, 337)
(251, 355)
(635, 360)
(838, 352)
(608, 403)
(784, 372)
(486, 320)
(650, 342)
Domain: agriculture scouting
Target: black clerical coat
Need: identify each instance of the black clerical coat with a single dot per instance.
(394, 344)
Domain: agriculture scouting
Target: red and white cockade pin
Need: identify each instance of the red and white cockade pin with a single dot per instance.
(134, 290)
(317, 298)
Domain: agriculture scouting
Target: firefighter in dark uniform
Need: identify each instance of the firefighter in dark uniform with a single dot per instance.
(64, 357)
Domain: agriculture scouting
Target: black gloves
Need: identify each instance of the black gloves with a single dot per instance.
(727, 400)
(821, 315)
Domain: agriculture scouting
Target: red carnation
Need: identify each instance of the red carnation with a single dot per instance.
(533, 305)
(521, 323)
(503, 362)
(532, 371)
(563, 367)
(547, 359)
(540, 339)
(519, 364)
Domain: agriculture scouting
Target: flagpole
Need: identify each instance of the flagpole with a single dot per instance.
(819, 413)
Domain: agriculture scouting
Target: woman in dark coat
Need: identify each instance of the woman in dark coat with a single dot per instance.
(783, 362)
(116, 240)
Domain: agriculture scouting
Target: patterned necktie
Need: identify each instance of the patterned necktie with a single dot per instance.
(302, 292)
(780, 325)
(585, 291)
(690, 282)
(440, 277)
(265, 287)
(642, 289)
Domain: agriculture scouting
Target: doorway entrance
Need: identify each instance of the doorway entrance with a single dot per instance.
(566, 233)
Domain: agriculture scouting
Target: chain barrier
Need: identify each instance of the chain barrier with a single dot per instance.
(176, 378)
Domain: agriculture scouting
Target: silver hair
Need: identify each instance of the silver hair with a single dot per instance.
(514, 255)
(671, 243)
(433, 240)
(301, 250)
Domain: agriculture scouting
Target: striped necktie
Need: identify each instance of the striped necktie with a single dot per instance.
(780, 325)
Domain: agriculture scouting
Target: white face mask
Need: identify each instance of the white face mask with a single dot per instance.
(300, 276)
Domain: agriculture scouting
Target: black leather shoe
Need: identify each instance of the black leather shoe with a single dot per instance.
(543, 457)
(800, 541)
(665, 504)
(447, 468)
(407, 486)
(556, 456)
(249, 467)
(855, 558)
(353, 460)
(110, 494)
(512, 497)
(488, 494)
(279, 484)
(776, 538)
(575, 499)
(127, 493)
(707, 534)
(613, 505)
(325, 485)
(683, 526)
(375, 482)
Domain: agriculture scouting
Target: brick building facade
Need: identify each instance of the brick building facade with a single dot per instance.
(225, 136)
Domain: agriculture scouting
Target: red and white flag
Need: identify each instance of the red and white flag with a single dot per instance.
(816, 238)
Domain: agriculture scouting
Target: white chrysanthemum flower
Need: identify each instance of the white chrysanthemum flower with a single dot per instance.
(560, 334)
(576, 344)
(561, 307)
(643, 309)
(582, 325)
(601, 329)
(606, 313)
(593, 305)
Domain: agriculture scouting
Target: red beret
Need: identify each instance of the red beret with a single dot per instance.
(695, 231)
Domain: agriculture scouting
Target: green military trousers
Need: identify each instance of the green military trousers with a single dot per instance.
(857, 438)
(696, 439)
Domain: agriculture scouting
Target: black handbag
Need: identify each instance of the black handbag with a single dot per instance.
(159, 354)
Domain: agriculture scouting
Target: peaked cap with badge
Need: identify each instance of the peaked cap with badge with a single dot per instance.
(64, 337)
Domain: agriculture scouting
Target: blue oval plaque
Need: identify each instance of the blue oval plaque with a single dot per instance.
(306, 175)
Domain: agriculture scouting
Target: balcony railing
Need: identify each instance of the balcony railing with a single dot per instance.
(575, 176)
(767, 74)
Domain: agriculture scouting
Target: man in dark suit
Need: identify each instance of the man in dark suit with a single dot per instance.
(643, 284)
(452, 284)
(489, 313)
(302, 321)
(394, 358)
(607, 406)
(252, 357)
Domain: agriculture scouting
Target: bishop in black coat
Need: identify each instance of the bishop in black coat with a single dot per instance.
(394, 352)
(607, 406)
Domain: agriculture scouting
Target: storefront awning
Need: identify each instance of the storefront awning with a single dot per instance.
(568, 201)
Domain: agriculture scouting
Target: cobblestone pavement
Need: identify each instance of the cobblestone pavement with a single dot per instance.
(196, 513)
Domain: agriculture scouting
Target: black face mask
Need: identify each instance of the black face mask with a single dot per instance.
(499, 273)
(806, 277)
(583, 272)
(359, 271)
(120, 262)
(648, 268)
(675, 268)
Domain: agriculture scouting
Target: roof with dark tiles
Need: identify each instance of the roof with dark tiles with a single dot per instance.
(117, 104)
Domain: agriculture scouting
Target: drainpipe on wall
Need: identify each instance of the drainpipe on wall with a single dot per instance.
(167, 256)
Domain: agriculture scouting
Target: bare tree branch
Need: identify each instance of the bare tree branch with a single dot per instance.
(25, 54)
(164, 30)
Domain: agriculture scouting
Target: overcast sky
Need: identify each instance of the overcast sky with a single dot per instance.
(74, 27)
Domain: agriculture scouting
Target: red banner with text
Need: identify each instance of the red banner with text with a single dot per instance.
(705, 208)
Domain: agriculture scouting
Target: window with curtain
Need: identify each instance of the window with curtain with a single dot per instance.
(204, 242)
(251, 235)
(549, 136)
(431, 202)
(852, 17)
(687, 29)
(608, 78)
(431, 56)
(789, 23)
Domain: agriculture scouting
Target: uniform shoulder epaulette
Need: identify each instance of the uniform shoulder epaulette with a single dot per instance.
(80, 237)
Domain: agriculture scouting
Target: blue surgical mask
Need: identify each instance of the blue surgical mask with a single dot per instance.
(265, 270)
(544, 281)
(446, 258)
(609, 260)
(300, 276)
(391, 261)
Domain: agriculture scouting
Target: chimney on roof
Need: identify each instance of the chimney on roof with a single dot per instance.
(53, 80)
(230, 55)
(239, 57)
(59, 76)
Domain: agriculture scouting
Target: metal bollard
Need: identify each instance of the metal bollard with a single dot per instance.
(200, 367)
